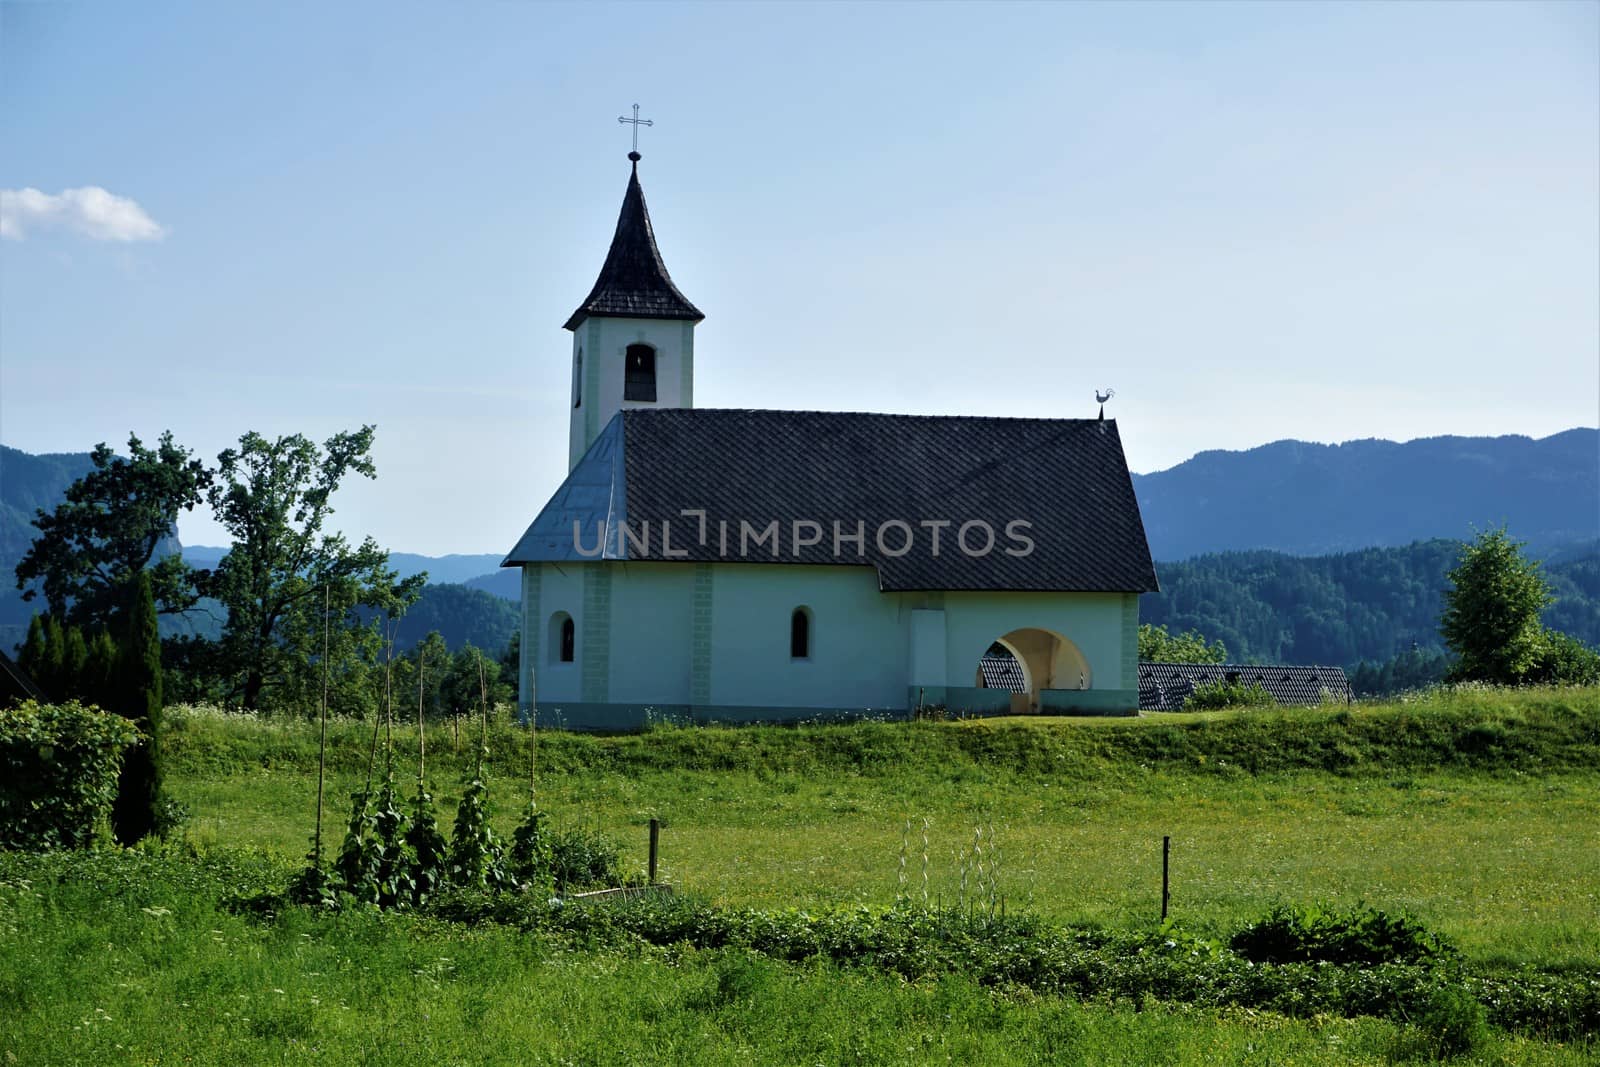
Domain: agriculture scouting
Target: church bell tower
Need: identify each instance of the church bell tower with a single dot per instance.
(633, 336)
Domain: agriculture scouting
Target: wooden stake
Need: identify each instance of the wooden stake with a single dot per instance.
(422, 729)
(655, 843)
(322, 747)
(1166, 851)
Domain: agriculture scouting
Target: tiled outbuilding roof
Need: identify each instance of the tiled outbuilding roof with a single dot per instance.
(1060, 486)
(1165, 686)
(634, 282)
(1002, 671)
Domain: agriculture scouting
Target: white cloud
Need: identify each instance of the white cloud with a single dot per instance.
(90, 211)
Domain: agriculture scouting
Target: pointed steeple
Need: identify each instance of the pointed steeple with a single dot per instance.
(634, 283)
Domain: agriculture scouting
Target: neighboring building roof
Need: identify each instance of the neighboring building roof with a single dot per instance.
(1066, 479)
(1002, 671)
(16, 685)
(634, 282)
(1165, 686)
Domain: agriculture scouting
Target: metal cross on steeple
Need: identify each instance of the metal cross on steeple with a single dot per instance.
(636, 122)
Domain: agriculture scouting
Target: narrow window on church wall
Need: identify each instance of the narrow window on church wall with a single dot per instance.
(639, 382)
(800, 634)
(563, 638)
(577, 381)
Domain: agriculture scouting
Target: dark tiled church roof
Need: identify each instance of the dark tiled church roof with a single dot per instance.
(634, 282)
(1066, 479)
(1165, 686)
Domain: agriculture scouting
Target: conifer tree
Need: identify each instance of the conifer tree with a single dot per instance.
(138, 698)
(34, 655)
(74, 658)
(51, 675)
(101, 671)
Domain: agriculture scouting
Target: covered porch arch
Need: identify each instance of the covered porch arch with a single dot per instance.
(1029, 661)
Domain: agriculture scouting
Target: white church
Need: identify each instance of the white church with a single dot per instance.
(761, 565)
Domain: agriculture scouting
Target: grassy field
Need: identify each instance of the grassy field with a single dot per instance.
(1477, 812)
(1505, 861)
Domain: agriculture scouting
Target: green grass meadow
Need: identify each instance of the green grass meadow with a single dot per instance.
(1477, 812)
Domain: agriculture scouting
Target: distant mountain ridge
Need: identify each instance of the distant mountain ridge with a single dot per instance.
(442, 570)
(1309, 499)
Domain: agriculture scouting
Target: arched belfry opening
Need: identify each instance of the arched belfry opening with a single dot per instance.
(1028, 660)
(639, 373)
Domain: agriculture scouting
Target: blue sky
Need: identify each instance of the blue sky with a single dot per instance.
(1323, 221)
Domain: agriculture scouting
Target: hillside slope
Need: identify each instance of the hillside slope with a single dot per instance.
(1371, 605)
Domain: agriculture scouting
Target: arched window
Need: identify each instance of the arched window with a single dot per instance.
(639, 382)
(800, 634)
(577, 380)
(563, 638)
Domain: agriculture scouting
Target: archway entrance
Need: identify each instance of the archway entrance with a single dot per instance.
(1029, 660)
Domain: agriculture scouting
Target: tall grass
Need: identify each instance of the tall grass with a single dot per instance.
(129, 959)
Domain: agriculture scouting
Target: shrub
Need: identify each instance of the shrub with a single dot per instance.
(1564, 660)
(1214, 696)
(582, 858)
(1361, 936)
(1453, 1021)
(58, 773)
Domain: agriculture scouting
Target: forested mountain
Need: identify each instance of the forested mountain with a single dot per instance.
(1310, 499)
(1371, 605)
(462, 616)
(27, 482)
(506, 583)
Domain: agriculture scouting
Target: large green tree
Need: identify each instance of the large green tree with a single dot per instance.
(107, 530)
(286, 583)
(1491, 612)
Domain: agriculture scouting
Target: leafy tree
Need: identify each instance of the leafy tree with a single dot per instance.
(432, 657)
(472, 676)
(1491, 614)
(1156, 645)
(136, 811)
(273, 497)
(107, 530)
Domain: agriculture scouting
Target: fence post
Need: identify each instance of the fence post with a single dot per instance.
(655, 840)
(1166, 852)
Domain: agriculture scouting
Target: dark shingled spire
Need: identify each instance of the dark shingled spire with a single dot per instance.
(634, 283)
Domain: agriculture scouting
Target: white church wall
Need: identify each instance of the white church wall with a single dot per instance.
(858, 649)
(652, 624)
(928, 648)
(560, 590)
